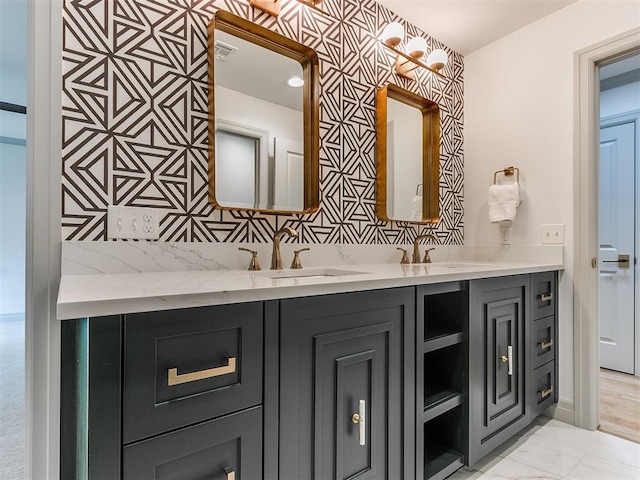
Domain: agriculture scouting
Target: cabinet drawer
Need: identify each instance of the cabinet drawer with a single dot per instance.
(186, 366)
(544, 388)
(543, 294)
(228, 448)
(543, 339)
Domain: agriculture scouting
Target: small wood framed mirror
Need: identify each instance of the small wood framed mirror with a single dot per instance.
(407, 156)
(263, 119)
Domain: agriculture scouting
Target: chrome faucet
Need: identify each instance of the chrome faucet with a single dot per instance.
(276, 259)
(416, 247)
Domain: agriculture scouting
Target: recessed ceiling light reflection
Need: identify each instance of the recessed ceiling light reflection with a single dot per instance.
(295, 82)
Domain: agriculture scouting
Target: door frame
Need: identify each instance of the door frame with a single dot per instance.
(585, 277)
(44, 165)
(632, 116)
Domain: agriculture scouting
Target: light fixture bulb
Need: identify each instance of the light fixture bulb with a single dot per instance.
(393, 34)
(295, 82)
(417, 47)
(437, 59)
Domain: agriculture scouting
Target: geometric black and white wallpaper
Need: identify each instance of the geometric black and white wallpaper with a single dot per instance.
(135, 120)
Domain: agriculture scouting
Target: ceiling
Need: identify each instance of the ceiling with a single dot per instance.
(468, 25)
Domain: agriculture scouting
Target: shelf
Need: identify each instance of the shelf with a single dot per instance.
(438, 337)
(438, 401)
(439, 463)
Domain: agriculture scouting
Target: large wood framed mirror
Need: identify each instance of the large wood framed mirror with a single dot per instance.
(407, 156)
(263, 119)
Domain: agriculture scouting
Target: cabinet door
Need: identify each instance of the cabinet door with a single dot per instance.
(228, 448)
(497, 361)
(336, 351)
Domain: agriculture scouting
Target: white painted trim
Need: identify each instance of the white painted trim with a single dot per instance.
(586, 150)
(564, 411)
(42, 331)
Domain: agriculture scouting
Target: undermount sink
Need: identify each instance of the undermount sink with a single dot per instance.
(306, 273)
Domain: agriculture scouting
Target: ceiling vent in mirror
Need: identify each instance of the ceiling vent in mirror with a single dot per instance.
(223, 50)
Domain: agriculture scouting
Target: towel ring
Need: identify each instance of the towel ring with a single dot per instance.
(418, 188)
(507, 172)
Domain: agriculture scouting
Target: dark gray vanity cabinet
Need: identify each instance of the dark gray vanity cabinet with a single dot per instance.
(169, 394)
(344, 359)
(497, 361)
(398, 383)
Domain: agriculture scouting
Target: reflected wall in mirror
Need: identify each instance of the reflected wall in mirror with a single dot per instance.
(408, 156)
(263, 125)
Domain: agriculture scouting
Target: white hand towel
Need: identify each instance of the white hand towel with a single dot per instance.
(503, 201)
(416, 208)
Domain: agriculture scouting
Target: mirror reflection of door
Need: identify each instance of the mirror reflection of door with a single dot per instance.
(237, 163)
(251, 92)
(288, 191)
(404, 166)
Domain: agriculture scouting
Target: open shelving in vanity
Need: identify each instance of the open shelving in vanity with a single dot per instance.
(441, 369)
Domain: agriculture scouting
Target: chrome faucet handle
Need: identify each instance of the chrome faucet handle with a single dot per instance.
(427, 258)
(254, 264)
(296, 263)
(405, 258)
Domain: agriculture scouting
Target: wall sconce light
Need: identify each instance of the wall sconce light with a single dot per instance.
(409, 60)
(315, 4)
(272, 7)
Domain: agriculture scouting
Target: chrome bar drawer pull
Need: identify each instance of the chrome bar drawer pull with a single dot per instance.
(546, 393)
(175, 379)
(359, 419)
(231, 475)
(544, 346)
(545, 297)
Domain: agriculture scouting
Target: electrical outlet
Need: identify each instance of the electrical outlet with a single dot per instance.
(552, 233)
(505, 235)
(133, 222)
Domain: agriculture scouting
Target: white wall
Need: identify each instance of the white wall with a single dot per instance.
(13, 187)
(519, 107)
(279, 121)
(620, 100)
(13, 158)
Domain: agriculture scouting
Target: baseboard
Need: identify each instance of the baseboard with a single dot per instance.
(564, 411)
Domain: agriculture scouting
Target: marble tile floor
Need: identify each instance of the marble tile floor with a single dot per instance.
(549, 449)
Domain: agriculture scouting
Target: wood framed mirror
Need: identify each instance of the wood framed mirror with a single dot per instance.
(407, 156)
(263, 131)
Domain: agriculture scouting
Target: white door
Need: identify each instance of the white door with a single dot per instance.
(236, 166)
(288, 192)
(616, 236)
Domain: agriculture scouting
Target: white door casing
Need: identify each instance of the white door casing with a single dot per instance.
(585, 278)
(616, 237)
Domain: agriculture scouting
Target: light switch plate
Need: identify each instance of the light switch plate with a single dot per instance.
(133, 222)
(552, 233)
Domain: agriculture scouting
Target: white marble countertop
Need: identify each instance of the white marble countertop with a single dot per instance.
(116, 293)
